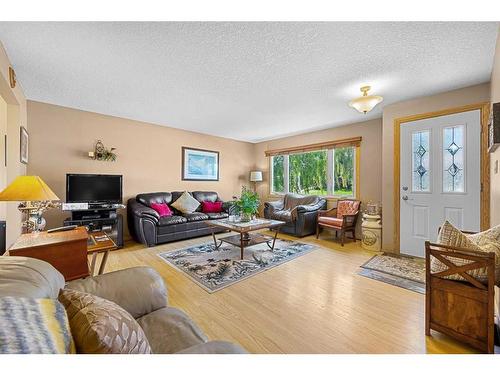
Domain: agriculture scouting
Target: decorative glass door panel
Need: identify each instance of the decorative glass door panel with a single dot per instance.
(454, 159)
(420, 161)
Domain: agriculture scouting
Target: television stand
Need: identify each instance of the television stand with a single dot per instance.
(97, 219)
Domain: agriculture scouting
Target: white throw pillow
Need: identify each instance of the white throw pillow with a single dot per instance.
(481, 242)
(186, 203)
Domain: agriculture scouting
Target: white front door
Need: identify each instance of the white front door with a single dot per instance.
(440, 177)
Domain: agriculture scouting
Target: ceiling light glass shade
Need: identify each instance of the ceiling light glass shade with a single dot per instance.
(365, 103)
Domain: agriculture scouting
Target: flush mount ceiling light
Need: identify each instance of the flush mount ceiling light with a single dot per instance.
(365, 103)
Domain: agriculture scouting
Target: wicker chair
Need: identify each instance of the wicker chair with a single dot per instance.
(341, 219)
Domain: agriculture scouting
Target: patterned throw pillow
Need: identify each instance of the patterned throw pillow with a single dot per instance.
(492, 234)
(100, 326)
(449, 235)
(34, 326)
(186, 203)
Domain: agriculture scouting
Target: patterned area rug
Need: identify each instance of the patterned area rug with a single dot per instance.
(399, 270)
(214, 269)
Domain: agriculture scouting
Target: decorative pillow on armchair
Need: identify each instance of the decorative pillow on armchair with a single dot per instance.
(481, 242)
(186, 203)
(34, 326)
(100, 326)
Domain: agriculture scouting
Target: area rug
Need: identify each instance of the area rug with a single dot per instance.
(399, 270)
(214, 269)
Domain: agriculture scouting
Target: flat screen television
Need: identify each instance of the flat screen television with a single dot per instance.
(93, 188)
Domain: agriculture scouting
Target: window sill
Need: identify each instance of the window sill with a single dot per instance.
(327, 197)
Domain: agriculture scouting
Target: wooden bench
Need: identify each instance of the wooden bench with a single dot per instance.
(463, 310)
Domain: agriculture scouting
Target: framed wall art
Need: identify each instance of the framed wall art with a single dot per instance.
(494, 128)
(24, 146)
(200, 165)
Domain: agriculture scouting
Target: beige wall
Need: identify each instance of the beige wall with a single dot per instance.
(15, 112)
(456, 98)
(495, 157)
(149, 156)
(370, 158)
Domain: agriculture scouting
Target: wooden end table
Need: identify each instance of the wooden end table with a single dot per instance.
(244, 238)
(99, 242)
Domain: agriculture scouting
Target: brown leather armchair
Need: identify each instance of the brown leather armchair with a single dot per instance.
(341, 219)
(299, 212)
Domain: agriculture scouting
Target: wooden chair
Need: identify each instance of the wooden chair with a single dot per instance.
(463, 310)
(341, 219)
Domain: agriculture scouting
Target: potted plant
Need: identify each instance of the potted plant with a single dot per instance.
(248, 204)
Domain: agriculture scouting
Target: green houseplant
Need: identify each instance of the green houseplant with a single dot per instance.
(248, 204)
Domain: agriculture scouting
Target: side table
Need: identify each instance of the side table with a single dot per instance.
(99, 242)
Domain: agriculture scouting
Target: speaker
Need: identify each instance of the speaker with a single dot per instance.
(3, 240)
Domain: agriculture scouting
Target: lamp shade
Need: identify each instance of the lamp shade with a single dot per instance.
(365, 103)
(255, 176)
(28, 188)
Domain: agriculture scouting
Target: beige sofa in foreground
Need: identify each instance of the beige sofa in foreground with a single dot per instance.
(139, 290)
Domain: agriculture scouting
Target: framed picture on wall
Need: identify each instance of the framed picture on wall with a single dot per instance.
(494, 128)
(23, 150)
(200, 165)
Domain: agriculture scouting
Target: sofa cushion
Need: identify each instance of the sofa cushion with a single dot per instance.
(148, 198)
(282, 215)
(170, 330)
(34, 326)
(330, 221)
(29, 277)
(186, 203)
(195, 216)
(205, 196)
(217, 215)
(290, 201)
(139, 290)
(170, 220)
(100, 326)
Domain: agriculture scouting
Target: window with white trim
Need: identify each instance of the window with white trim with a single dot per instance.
(330, 172)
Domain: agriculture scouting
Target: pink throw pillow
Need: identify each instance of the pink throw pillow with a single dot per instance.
(211, 207)
(162, 209)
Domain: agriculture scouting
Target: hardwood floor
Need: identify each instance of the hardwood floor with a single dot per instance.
(313, 304)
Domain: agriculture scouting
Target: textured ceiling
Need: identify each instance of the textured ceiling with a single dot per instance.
(248, 81)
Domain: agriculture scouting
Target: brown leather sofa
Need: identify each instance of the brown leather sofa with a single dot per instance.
(139, 290)
(147, 227)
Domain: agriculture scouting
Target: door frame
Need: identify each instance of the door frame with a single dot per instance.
(484, 210)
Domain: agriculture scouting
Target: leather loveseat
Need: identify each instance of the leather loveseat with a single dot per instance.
(140, 291)
(147, 227)
(298, 211)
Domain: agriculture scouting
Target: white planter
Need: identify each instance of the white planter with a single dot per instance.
(371, 228)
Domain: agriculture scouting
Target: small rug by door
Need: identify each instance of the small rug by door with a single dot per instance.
(214, 269)
(399, 270)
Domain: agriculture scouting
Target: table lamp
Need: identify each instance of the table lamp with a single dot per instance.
(255, 176)
(35, 197)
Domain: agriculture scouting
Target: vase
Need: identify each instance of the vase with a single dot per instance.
(246, 217)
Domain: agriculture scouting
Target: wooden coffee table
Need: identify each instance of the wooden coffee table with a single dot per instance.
(99, 242)
(244, 238)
